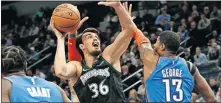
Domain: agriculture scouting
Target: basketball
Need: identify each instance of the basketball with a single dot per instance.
(66, 17)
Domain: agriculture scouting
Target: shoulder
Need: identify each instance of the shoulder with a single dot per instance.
(106, 54)
(54, 85)
(58, 87)
(7, 85)
(5, 81)
(192, 68)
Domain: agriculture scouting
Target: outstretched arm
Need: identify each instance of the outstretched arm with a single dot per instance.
(147, 54)
(126, 20)
(113, 52)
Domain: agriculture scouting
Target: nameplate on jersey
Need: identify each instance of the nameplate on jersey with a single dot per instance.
(39, 92)
(95, 73)
(171, 73)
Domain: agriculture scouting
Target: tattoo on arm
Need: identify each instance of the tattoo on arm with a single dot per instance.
(145, 47)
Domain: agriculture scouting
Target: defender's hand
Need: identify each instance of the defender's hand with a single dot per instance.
(125, 5)
(129, 10)
(58, 34)
(112, 3)
(79, 25)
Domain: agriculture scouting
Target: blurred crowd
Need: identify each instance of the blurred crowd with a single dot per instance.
(197, 23)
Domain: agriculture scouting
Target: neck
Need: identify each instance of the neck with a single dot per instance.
(169, 54)
(17, 73)
(89, 59)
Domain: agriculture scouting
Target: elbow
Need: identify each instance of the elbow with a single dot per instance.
(211, 100)
(60, 73)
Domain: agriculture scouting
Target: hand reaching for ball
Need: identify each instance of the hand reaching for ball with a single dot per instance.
(112, 3)
(60, 35)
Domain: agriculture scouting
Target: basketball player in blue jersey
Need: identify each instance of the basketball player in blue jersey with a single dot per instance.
(17, 87)
(167, 77)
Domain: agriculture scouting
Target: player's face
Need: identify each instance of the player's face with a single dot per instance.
(158, 47)
(91, 43)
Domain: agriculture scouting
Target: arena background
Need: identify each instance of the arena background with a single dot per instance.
(25, 23)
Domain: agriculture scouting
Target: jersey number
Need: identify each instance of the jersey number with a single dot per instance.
(103, 89)
(177, 83)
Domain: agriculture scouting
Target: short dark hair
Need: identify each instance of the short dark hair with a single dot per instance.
(79, 39)
(171, 41)
(13, 59)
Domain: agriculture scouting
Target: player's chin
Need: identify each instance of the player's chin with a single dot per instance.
(96, 48)
(96, 52)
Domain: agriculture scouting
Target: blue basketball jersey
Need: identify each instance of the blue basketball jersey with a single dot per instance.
(170, 81)
(33, 89)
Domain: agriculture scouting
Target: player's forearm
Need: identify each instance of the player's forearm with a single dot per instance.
(121, 24)
(60, 61)
(208, 95)
(204, 88)
(125, 18)
(141, 39)
(211, 100)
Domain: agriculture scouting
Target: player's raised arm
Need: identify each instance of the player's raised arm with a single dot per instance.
(117, 48)
(62, 69)
(130, 25)
(202, 86)
(113, 52)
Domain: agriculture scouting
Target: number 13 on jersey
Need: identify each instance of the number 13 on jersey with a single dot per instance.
(177, 83)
